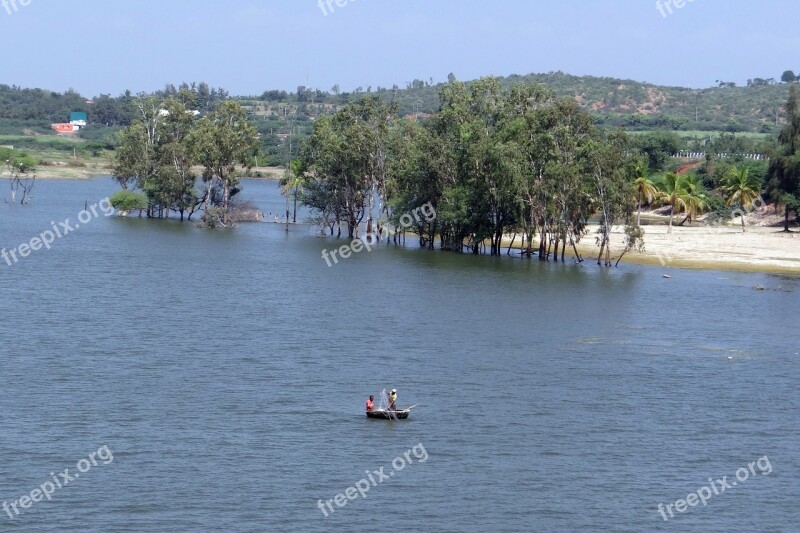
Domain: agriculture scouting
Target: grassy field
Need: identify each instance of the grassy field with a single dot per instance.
(61, 157)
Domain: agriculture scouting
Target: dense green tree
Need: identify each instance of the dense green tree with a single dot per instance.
(419, 167)
(491, 162)
(348, 149)
(658, 147)
(137, 156)
(224, 139)
(614, 193)
(126, 201)
(784, 169)
(157, 153)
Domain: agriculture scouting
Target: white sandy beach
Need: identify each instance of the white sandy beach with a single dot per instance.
(766, 249)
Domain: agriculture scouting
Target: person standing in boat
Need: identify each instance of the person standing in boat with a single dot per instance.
(370, 403)
(393, 400)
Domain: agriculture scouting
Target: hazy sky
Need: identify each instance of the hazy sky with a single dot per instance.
(248, 46)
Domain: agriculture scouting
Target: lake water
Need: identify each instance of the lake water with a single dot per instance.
(226, 373)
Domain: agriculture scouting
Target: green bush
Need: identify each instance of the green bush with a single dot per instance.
(128, 200)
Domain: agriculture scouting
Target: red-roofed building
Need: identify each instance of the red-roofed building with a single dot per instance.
(65, 128)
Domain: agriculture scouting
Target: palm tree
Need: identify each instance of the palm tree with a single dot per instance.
(673, 194)
(742, 189)
(695, 197)
(645, 189)
(291, 183)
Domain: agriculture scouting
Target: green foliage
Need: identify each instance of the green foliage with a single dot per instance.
(21, 127)
(126, 200)
(493, 160)
(101, 137)
(16, 161)
(220, 141)
(37, 104)
(276, 114)
(684, 194)
(157, 153)
(658, 148)
(346, 159)
(714, 174)
(784, 170)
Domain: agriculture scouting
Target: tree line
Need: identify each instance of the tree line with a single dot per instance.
(166, 144)
(493, 161)
(517, 161)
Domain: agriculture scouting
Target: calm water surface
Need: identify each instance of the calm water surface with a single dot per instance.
(227, 372)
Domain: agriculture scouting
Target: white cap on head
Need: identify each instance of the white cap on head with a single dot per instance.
(394, 390)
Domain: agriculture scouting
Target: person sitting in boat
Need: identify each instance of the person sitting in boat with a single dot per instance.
(393, 400)
(370, 402)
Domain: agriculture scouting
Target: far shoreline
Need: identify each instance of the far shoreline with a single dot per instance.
(92, 170)
(760, 249)
(766, 250)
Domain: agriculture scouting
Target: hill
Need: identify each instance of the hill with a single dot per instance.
(637, 106)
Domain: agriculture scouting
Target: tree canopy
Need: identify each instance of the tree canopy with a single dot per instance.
(492, 161)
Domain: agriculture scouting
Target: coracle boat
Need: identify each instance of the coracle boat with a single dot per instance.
(400, 414)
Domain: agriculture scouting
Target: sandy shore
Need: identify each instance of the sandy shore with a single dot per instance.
(67, 173)
(759, 249)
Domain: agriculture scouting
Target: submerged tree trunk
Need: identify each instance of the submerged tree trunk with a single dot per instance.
(671, 211)
(577, 255)
(294, 213)
(786, 218)
(543, 245)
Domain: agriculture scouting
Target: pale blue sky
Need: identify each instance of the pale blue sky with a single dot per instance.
(248, 46)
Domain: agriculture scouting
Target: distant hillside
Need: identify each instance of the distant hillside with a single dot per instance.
(614, 102)
(636, 106)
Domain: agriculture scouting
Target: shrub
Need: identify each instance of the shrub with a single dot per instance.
(127, 201)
